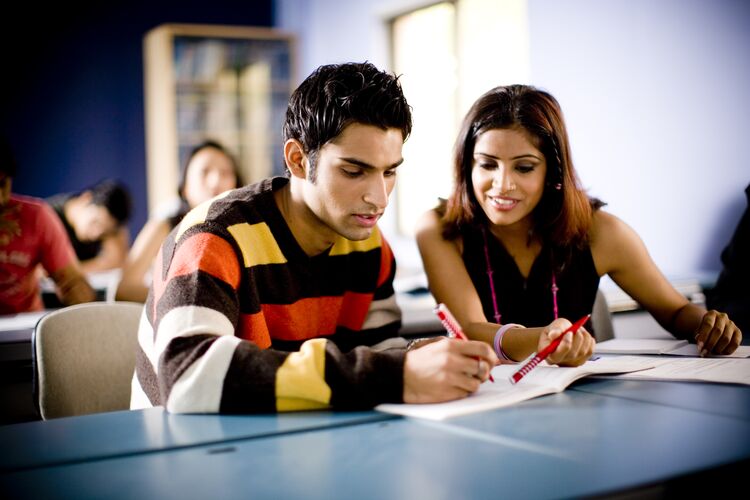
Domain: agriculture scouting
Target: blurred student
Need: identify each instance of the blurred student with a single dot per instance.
(731, 293)
(95, 220)
(31, 234)
(520, 243)
(209, 170)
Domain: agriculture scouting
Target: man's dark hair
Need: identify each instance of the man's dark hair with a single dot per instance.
(336, 95)
(114, 197)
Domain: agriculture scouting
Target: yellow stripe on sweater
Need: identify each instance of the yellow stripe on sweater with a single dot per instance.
(300, 380)
(342, 246)
(197, 215)
(257, 244)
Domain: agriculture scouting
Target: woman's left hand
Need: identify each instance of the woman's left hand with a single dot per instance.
(574, 350)
(717, 334)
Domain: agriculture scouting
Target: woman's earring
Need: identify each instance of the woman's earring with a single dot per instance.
(558, 186)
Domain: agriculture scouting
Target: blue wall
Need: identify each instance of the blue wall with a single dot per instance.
(72, 88)
(655, 98)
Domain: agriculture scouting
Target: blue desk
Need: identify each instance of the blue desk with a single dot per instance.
(718, 399)
(596, 438)
(124, 433)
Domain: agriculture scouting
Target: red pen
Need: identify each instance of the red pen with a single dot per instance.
(452, 326)
(542, 355)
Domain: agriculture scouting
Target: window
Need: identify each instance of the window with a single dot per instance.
(448, 54)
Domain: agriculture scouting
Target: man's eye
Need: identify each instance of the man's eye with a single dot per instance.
(351, 173)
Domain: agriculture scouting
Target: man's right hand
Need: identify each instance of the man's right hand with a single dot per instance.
(446, 370)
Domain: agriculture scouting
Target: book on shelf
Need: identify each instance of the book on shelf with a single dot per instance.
(544, 379)
(671, 347)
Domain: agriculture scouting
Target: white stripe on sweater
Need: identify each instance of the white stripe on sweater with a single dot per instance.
(199, 388)
(186, 321)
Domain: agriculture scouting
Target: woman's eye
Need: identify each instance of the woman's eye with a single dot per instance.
(525, 169)
(486, 165)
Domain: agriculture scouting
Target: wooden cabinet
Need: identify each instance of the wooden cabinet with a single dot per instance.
(226, 83)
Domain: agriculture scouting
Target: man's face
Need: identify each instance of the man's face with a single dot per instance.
(354, 176)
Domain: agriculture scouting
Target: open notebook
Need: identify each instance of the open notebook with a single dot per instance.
(544, 379)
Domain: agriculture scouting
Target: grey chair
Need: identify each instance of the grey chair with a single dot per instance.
(601, 319)
(84, 357)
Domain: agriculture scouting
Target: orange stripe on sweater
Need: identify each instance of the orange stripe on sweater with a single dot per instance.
(315, 317)
(386, 256)
(253, 327)
(204, 252)
(354, 310)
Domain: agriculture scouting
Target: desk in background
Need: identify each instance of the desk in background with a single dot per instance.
(16, 371)
(599, 437)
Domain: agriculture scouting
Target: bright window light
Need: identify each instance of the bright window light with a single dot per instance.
(448, 54)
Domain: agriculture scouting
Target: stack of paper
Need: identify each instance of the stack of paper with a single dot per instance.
(638, 346)
(672, 347)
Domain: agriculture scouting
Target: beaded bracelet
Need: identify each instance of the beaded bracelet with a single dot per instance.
(498, 342)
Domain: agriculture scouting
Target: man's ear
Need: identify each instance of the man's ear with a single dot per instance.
(295, 158)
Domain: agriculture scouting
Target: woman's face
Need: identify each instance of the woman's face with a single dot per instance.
(210, 172)
(508, 174)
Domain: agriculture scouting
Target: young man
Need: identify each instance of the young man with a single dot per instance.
(95, 222)
(267, 297)
(31, 234)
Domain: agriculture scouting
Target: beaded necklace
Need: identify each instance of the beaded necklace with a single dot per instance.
(490, 271)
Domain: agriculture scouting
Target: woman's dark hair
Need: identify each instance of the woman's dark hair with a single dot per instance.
(564, 214)
(336, 95)
(114, 197)
(184, 206)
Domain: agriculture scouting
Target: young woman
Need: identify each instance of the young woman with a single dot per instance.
(209, 171)
(520, 243)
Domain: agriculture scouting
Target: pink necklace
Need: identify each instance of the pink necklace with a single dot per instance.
(490, 271)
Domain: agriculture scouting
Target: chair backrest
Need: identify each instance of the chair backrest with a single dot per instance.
(601, 319)
(84, 357)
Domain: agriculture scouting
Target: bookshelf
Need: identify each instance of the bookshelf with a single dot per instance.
(226, 83)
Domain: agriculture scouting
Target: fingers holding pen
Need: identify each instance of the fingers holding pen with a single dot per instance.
(446, 370)
(575, 347)
(472, 359)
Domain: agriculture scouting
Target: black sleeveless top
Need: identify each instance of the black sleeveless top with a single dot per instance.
(529, 301)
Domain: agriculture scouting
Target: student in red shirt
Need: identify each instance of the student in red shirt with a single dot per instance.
(31, 234)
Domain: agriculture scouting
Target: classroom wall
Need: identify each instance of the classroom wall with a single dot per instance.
(72, 87)
(654, 93)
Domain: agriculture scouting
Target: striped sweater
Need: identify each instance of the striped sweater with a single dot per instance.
(239, 319)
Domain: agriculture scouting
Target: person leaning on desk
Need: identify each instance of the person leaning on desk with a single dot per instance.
(279, 295)
(519, 241)
(96, 222)
(31, 234)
